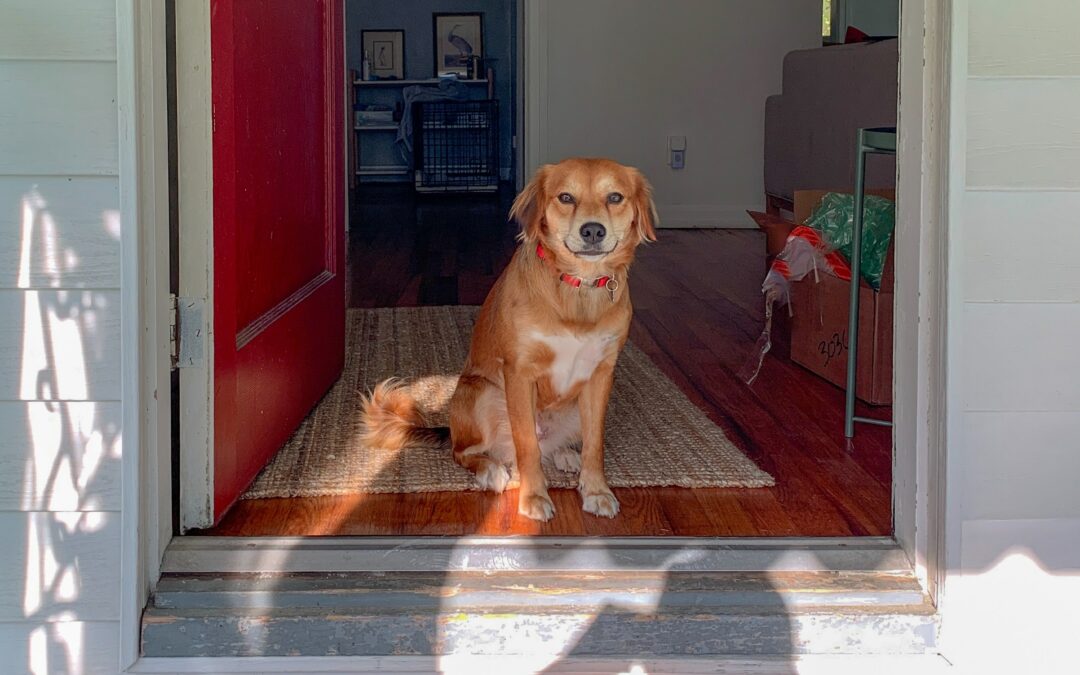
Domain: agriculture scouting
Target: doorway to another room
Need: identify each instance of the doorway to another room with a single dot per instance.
(427, 236)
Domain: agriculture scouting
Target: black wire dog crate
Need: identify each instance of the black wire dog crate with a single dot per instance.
(456, 146)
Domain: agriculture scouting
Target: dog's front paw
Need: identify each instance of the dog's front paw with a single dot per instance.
(600, 504)
(536, 506)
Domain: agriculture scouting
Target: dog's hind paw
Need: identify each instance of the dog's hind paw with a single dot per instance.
(567, 459)
(493, 477)
(600, 504)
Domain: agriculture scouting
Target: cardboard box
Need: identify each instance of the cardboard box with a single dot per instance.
(819, 325)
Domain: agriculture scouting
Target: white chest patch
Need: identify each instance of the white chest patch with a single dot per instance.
(576, 357)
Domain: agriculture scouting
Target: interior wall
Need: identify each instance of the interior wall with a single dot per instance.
(873, 17)
(624, 75)
(415, 18)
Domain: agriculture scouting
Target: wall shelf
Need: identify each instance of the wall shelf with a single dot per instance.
(390, 83)
(383, 170)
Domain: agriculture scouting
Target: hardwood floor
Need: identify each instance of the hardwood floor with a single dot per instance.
(698, 311)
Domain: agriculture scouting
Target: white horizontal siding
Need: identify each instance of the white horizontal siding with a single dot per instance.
(58, 118)
(1013, 456)
(59, 456)
(82, 647)
(59, 232)
(1049, 542)
(1021, 357)
(60, 345)
(1014, 452)
(59, 337)
(60, 566)
(1022, 246)
(58, 29)
(1015, 609)
(1023, 133)
(1032, 37)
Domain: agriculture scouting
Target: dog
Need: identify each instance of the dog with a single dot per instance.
(539, 372)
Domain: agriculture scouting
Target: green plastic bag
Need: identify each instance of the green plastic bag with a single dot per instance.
(832, 218)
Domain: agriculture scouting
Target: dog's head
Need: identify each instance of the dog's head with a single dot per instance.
(587, 212)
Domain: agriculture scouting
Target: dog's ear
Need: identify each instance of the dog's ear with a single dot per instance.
(645, 218)
(528, 208)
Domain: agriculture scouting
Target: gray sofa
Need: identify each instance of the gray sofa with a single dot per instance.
(810, 127)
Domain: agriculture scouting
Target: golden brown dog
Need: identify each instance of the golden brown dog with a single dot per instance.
(543, 350)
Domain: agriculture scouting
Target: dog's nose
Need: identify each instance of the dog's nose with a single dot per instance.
(593, 233)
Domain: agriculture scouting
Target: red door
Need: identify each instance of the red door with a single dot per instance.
(278, 80)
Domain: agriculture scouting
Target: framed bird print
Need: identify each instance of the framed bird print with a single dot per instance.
(459, 40)
(385, 50)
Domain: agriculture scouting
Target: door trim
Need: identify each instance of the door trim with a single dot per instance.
(195, 179)
(146, 462)
(146, 501)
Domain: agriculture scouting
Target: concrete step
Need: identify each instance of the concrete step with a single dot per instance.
(513, 613)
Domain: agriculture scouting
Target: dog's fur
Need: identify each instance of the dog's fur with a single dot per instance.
(543, 351)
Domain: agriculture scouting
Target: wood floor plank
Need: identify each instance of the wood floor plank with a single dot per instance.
(698, 311)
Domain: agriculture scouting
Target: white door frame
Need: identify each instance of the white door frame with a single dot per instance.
(195, 180)
(146, 464)
(920, 293)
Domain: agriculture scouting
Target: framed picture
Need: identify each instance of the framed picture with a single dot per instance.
(386, 49)
(458, 38)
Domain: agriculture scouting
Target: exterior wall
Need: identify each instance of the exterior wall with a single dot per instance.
(59, 337)
(1014, 511)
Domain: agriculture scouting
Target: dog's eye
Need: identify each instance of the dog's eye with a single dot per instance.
(614, 198)
(566, 198)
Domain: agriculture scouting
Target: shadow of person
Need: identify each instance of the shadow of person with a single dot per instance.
(693, 614)
(620, 606)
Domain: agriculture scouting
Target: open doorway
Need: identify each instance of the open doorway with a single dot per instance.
(698, 308)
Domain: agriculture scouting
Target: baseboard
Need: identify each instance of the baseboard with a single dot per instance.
(706, 216)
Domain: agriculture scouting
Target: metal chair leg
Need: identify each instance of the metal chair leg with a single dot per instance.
(853, 301)
(882, 141)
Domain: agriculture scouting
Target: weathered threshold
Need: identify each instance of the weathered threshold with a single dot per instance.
(437, 554)
(515, 613)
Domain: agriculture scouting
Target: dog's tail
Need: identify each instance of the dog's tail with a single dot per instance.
(393, 420)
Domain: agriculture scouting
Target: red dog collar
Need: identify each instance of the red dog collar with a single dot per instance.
(576, 282)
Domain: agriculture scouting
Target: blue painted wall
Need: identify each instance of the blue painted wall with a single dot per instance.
(415, 18)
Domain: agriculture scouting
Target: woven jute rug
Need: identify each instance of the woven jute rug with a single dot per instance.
(655, 436)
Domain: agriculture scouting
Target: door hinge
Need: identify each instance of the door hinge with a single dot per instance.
(173, 352)
(187, 332)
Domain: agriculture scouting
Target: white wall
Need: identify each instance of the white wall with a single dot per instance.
(1014, 284)
(59, 337)
(623, 75)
